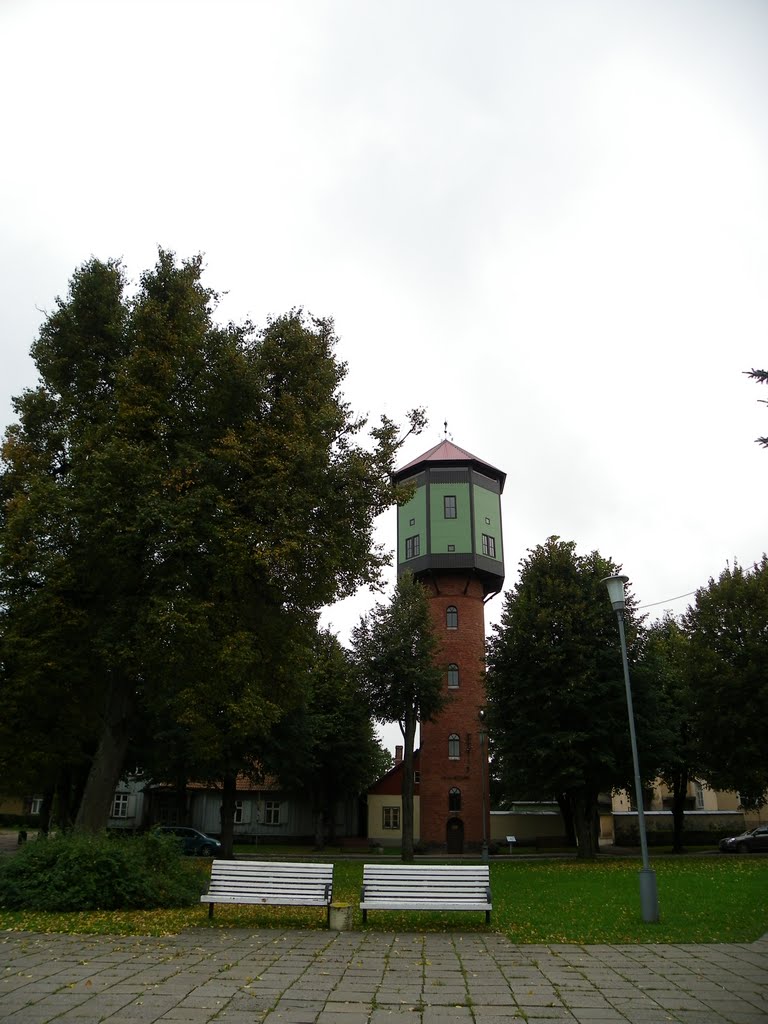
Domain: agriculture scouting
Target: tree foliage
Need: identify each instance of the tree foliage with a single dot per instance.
(327, 750)
(761, 376)
(395, 651)
(728, 627)
(666, 660)
(179, 498)
(556, 697)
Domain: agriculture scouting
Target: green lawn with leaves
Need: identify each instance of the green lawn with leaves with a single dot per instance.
(702, 899)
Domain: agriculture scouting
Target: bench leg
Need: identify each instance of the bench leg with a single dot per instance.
(487, 917)
(365, 916)
(210, 911)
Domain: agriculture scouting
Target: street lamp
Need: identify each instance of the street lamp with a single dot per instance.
(649, 900)
(483, 735)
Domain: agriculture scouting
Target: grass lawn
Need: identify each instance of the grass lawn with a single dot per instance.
(703, 899)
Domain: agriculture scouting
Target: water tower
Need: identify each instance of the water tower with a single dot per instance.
(449, 536)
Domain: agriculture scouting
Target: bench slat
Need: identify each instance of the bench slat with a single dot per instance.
(426, 887)
(272, 883)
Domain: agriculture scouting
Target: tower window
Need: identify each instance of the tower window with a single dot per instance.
(449, 506)
(453, 677)
(412, 546)
(453, 747)
(454, 799)
(452, 617)
(489, 546)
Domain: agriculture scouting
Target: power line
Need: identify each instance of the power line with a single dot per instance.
(654, 603)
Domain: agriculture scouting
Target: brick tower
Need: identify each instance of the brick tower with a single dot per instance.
(449, 537)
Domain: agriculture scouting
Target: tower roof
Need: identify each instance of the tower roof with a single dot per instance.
(449, 453)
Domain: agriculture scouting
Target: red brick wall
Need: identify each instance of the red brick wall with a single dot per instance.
(465, 647)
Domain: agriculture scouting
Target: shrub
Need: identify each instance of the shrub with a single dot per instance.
(83, 872)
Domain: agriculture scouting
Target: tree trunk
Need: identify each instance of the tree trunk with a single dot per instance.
(46, 810)
(584, 803)
(107, 765)
(319, 829)
(182, 803)
(409, 736)
(227, 812)
(679, 793)
(566, 811)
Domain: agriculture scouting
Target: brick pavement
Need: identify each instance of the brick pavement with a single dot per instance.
(235, 976)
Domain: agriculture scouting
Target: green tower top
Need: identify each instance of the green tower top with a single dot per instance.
(452, 523)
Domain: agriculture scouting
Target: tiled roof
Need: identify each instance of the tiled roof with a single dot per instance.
(243, 785)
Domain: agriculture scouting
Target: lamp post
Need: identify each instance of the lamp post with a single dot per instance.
(649, 900)
(483, 735)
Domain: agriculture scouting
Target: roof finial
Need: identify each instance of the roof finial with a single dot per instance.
(445, 426)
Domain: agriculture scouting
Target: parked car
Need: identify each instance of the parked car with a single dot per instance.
(747, 842)
(192, 842)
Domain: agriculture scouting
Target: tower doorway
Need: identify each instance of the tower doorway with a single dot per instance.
(454, 835)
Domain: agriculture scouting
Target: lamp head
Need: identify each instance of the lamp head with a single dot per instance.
(615, 586)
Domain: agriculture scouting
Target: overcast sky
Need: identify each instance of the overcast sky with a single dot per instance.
(544, 221)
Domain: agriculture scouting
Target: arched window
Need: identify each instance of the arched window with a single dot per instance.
(453, 677)
(454, 799)
(452, 616)
(453, 747)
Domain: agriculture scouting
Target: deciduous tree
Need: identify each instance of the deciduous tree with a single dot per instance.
(395, 650)
(557, 704)
(728, 628)
(191, 494)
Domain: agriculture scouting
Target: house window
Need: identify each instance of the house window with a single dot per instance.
(453, 747)
(454, 799)
(36, 805)
(449, 506)
(453, 677)
(272, 812)
(412, 546)
(390, 817)
(120, 806)
(451, 547)
(452, 617)
(698, 792)
(489, 546)
(416, 777)
(238, 812)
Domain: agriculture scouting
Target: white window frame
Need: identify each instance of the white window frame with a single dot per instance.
(120, 803)
(390, 818)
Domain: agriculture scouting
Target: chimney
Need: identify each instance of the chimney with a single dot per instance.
(398, 753)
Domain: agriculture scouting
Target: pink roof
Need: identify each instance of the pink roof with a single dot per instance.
(447, 451)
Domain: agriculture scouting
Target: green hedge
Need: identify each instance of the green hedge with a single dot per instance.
(80, 872)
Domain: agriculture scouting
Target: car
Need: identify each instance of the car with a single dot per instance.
(748, 842)
(192, 842)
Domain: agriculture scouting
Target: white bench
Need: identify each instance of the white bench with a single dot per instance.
(426, 887)
(273, 883)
